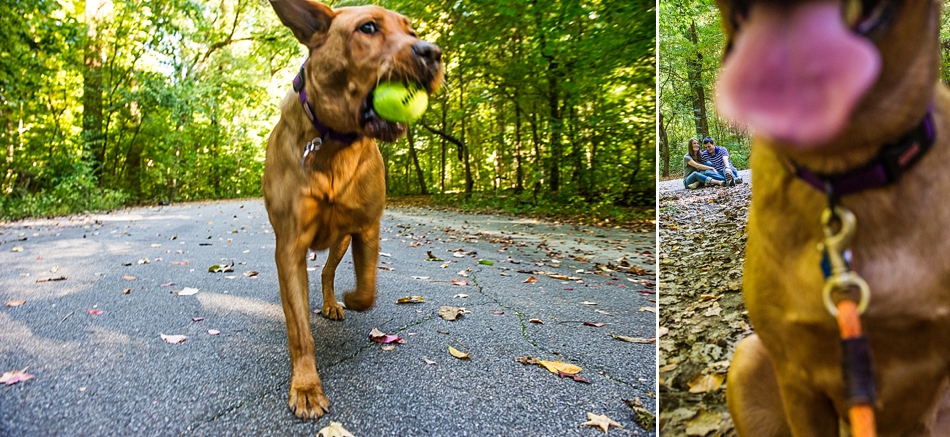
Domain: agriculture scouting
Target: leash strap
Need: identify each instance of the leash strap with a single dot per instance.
(856, 365)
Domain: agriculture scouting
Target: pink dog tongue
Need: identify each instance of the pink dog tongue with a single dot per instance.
(796, 78)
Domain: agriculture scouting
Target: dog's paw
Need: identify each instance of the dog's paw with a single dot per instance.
(307, 400)
(332, 310)
(359, 301)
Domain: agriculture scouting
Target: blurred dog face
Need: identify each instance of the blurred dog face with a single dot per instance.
(822, 76)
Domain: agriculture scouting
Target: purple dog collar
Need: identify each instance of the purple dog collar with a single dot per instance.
(325, 132)
(886, 168)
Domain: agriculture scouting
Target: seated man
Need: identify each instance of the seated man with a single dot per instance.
(719, 157)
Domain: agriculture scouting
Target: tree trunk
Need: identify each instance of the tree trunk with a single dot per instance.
(554, 171)
(463, 151)
(415, 162)
(664, 148)
(695, 75)
(442, 142)
(519, 171)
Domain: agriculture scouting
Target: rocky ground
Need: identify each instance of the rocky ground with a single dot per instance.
(702, 315)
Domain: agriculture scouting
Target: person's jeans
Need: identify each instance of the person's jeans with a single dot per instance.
(698, 176)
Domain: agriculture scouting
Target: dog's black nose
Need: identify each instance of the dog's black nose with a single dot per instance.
(427, 51)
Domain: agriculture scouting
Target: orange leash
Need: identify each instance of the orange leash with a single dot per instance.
(860, 414)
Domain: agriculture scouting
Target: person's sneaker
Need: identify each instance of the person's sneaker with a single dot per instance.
(738, 180)
(693, 185)
(729, 180)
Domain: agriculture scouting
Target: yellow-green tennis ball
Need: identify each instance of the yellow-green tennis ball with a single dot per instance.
(399, 102)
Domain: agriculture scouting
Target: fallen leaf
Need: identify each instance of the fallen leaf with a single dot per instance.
(411, 299)
(381, 337)
(460, 295)
(251, 274)
(556, 366)
(54, 269)
(538, 321)
(156, 245)
(557, 276)
(428, 361)
(601, 421)
(197, 319)
(702, 383)
(633, 339)
(420, 277)
(596, 325)
(650, 309)
(213, 332)
(451, 313)
(458, 354)
(486, 262)
(530, 280)
(642, 416)
(187, 291)
(15, 303)
(588, 303)
(180, 263)
(167, 284)
(59, 278)
(385, 254)
(335, 429)
(127, 291)
(17, 249)
(387, 268)
(603, 312)
(221, 268)
(173, 339)
(498, 312)
(387, 347)
(527, 360)
(15, 376)
(93, 312)
(432, 257)
(128, 277)
(142, 261)
(461, 282)
(573, 376)
(703, 423)
(459, 254)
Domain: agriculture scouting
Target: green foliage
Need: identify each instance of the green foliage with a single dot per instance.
(140, 101)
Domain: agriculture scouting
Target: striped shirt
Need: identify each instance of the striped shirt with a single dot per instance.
(717, 158)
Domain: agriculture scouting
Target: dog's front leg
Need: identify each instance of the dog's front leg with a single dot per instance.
(365, 254)
(331, 309)
(306, 398)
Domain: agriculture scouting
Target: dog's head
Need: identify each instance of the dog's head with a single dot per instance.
(353, 49)
(822, 76)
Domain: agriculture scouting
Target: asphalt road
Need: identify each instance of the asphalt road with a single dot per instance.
(111, 373)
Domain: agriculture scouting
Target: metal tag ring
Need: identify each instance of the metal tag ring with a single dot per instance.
(845, 281)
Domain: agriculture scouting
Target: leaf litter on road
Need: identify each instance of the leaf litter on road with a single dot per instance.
(600, 421)
(334, 429)
(173, 339)
(701, 256)
(459, 354)
(452, 313)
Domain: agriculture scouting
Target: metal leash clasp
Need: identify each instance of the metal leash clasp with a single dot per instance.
(309, 152)
(842, 278)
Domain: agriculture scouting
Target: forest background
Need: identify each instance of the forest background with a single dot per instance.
(107, 103)
(691, 44)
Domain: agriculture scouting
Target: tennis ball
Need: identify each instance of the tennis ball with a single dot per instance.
(400, 102)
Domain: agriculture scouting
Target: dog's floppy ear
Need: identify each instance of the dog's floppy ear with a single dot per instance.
(305, 18)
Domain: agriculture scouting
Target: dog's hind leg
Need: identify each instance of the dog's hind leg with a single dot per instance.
(306, 398)
(331, 308)
(752, 392)
(365, 254)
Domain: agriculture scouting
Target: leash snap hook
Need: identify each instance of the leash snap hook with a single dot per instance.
(309, 152)
(842, 278)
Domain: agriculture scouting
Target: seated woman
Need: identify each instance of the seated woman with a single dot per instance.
(696, 175)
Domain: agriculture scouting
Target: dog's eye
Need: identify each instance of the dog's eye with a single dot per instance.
(369, 28)
(413, 34)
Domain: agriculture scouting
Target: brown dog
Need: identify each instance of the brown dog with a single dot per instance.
(827, 86)
(324, 180)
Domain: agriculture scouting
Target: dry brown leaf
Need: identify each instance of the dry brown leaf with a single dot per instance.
(458, 354)
(634, 339)
(128, 277)
(451, 313)
(173, 339)
(15, 303)
(601, 421)
(59, 278)
(555, 366)
(15, 376)
(538, 321)
(527, 360)
(530, 280)
(650, 309)
(411, 299)
(703, 423)
(335, 429)
(701, 383)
